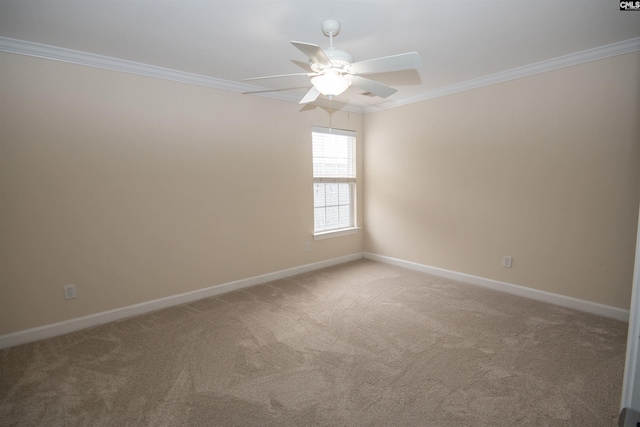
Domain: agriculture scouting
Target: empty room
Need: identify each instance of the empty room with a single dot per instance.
(335, 213)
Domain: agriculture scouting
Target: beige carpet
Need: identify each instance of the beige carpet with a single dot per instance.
(361, 344)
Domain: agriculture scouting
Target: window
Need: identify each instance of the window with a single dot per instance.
(334, 179)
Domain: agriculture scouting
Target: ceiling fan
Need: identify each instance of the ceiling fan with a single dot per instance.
(333, 70)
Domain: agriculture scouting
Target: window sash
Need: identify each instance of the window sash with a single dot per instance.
(334, 180)
(334, 153)
(333, 206)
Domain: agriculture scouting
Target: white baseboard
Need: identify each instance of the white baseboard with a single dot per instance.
(72, 325)
(561, 300)
(79, 323)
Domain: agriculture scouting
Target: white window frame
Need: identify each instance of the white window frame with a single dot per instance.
(327, 178)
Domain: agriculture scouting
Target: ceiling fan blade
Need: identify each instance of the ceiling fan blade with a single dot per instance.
(280, 75)
(273, 90)
(373, 87)
(311, 96)
(314, 53)
(403, 61)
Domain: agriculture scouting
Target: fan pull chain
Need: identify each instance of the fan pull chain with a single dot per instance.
(330, 113)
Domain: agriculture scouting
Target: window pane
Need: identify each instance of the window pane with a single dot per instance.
(332, 218)
(319, 219)
(318, 195)
(332, 194)
(344, 194)
(345, 217)
(332, 206)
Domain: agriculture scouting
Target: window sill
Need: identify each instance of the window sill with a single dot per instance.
(336, 233)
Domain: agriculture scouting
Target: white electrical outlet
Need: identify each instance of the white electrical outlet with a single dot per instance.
(506, 261)
(308, 246)
(69, 291)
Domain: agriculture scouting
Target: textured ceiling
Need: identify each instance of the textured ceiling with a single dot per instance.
(232, 40)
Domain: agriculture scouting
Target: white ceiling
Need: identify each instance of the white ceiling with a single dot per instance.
(458, 40)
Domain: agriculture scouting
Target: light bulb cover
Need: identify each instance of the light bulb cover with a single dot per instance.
(331, 83)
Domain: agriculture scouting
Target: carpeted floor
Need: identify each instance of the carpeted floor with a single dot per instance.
(360, 344)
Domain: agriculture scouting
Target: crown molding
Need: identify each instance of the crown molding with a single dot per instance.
(23, 47)
(619, 48)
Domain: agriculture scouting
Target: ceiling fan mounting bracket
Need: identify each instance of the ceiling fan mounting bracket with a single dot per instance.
(330, 27)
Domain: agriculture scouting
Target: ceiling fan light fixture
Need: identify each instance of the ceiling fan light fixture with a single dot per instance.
(331, 83)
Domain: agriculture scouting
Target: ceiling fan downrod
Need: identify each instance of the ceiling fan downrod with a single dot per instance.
(330, 28)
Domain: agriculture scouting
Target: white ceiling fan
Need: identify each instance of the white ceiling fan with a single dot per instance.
(333, 70)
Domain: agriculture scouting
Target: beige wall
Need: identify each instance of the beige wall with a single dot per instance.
(136, 188)
(545, 169)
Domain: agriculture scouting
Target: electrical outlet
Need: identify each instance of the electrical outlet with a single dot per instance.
(506, 261)
(308, 246)
(69, 291)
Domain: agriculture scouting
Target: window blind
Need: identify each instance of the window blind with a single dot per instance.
(334, 154)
